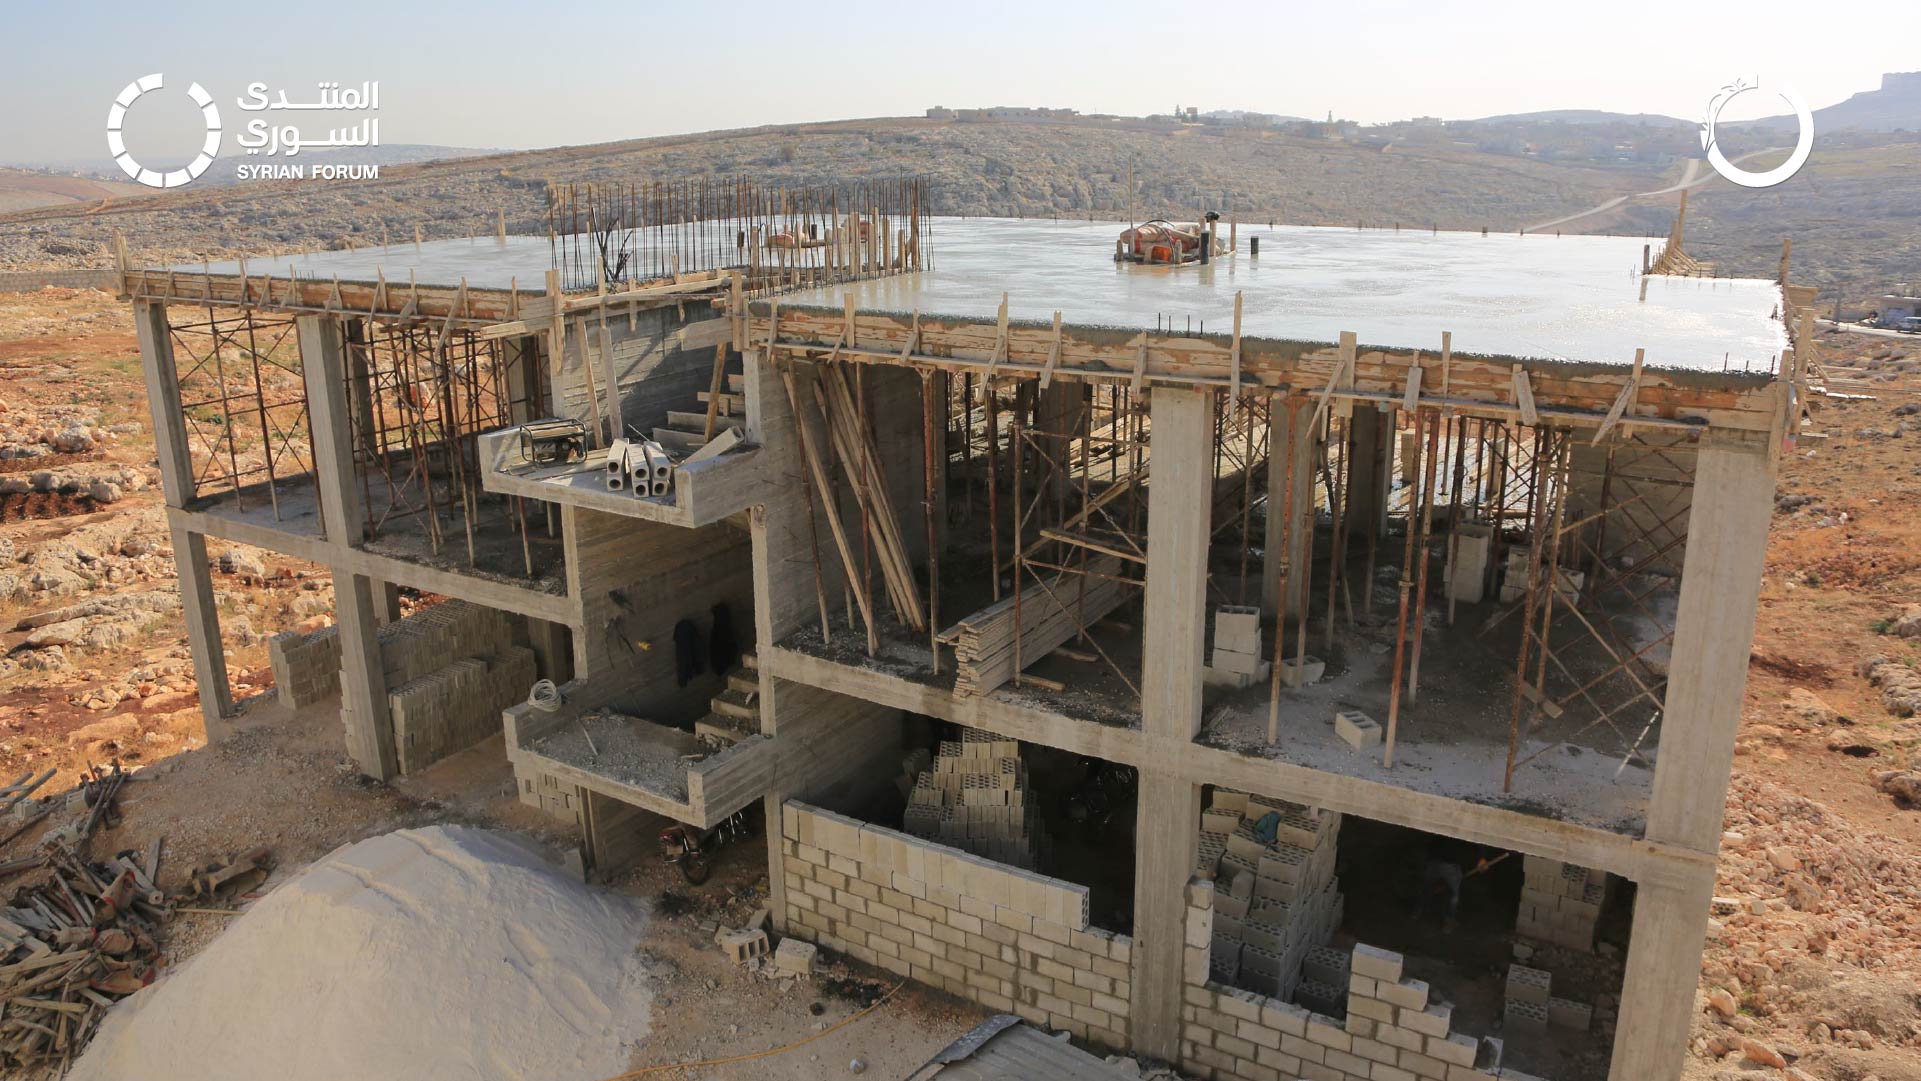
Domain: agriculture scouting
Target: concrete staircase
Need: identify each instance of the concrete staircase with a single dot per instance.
(686, 430)
(735, 711)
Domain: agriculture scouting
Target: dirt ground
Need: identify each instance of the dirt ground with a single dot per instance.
(1812, 961)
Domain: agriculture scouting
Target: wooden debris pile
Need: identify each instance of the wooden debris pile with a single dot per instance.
(79, 933)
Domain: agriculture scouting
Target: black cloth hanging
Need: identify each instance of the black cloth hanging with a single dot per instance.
(687, 658)
(722, 649)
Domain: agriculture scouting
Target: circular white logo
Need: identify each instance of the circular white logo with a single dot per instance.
(117, 118)
(1803, 146)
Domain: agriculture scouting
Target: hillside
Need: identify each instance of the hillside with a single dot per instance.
(1584, 116)
(1853, 212)
(26, 189)
(1075, 168)
(1894, 106)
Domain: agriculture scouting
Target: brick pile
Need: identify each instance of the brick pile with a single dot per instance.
(1394, 1030)
(306, 667)
(1560, 903)
(1011, 940)
(974, 797)
(1532, 1006)
(1273, 901)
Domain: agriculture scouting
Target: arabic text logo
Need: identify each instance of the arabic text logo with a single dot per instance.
(1804, 144)
(117, 143)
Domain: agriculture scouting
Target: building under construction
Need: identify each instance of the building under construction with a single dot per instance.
(1321, 660)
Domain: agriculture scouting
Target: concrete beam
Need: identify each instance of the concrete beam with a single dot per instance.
(202, 618)
(1499, 827)
(1713, 631)
(467, 587)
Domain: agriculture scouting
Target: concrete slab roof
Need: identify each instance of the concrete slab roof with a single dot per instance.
(1568, 298)
(485, 263)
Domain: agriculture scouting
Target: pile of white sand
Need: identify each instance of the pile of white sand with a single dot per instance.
(441, 954)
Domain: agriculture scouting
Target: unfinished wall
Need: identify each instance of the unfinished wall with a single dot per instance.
(661, 360)
(1007, 939)
(449, 670)
(1393, 1029)
(635, 580)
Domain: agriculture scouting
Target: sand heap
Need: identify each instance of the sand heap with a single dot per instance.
(429, 954)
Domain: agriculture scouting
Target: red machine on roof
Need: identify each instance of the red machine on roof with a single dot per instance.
(1161, 242)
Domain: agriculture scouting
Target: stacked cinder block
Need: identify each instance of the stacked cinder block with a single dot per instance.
(1532, 1006)
(546, 792)
(1010, 940)
(1560, 903)
(306, 667)
(1567, 583)
(1274, 900)
(1393, 1030)
(1237, 658)
(454, 707)
(974, 797)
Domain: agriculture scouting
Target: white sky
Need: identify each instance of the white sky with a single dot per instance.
(483, 73)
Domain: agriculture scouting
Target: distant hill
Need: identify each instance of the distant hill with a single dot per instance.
(1895, 106)
(1583, 116)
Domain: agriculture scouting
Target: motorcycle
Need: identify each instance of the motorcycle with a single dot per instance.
(687, 847)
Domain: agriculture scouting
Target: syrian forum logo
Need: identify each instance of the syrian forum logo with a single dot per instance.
(1803, 146)
(117, 143)
(273, 141)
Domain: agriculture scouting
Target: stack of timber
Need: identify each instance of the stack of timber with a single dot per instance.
(1050, 614)
(853, 446)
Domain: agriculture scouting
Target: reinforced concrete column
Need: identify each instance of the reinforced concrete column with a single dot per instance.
(323, 364)
(363, 678)
(1179, 497)
(163, 400)
(1663, 969)
(189, 548)
(386, 602)
(1713, 629)
(1370, 468)
(1284, 429)
(203, 632)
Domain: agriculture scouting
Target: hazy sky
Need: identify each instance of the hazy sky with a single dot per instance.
(529, 74)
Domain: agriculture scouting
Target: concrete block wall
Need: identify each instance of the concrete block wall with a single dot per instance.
(1274, 900)
(1394, 1030)
(306, 667)
(455, 707)
(1008, 939)
(1560, 903)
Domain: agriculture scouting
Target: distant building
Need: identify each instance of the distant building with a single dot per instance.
(1896, 307)
(1427, 122)
(940, 112)
(1014, 112)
